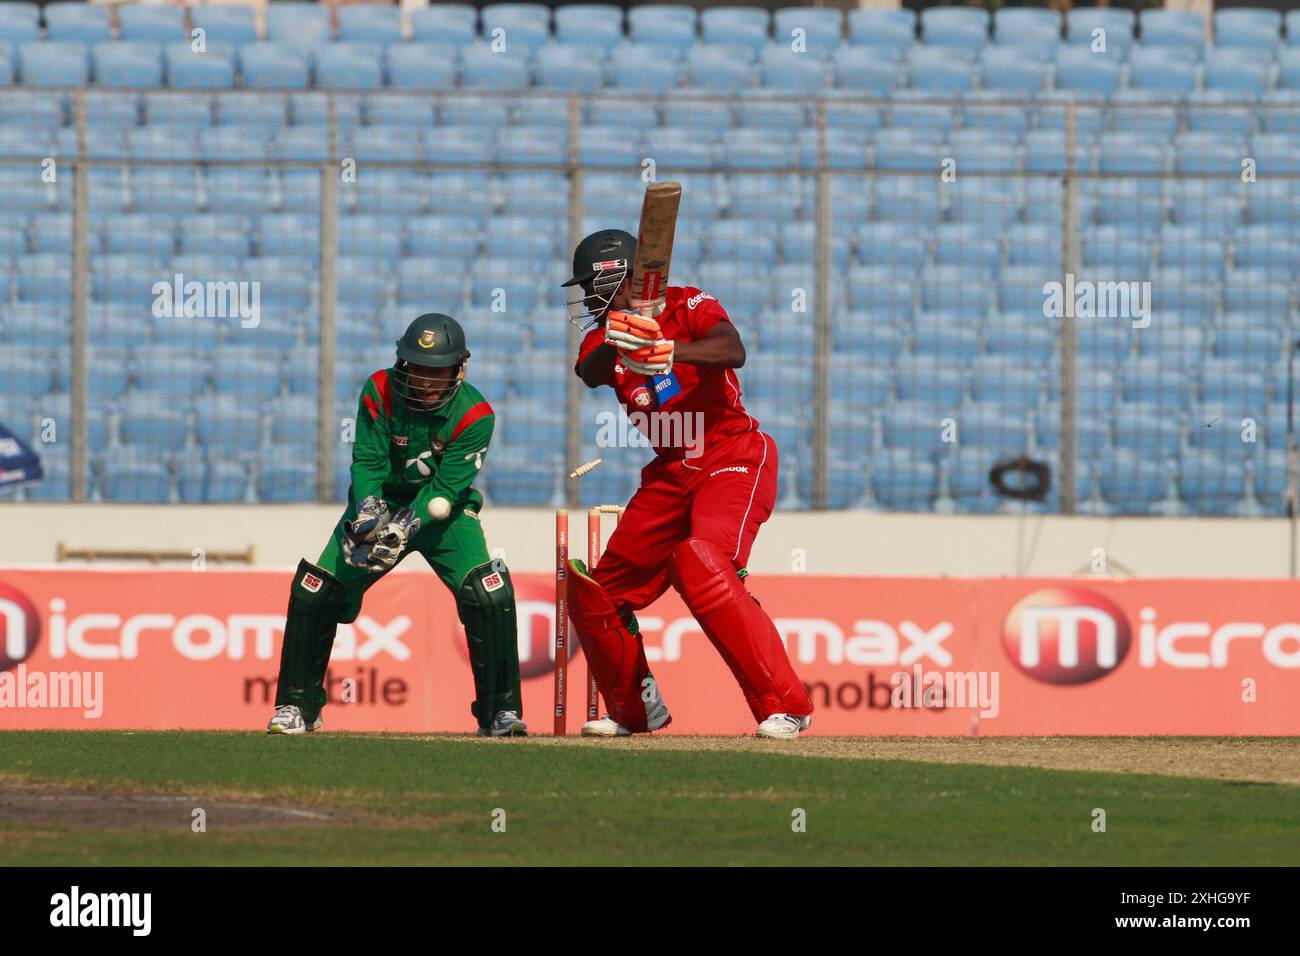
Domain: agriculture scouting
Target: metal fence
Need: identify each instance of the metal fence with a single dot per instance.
(195, 287)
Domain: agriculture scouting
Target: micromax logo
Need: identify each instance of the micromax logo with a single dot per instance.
(1066, 636)
(20, 627)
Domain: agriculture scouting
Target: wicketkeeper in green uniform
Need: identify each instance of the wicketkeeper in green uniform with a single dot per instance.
(422, 433)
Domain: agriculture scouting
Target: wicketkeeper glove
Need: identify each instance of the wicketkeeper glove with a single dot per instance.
(372, 514)
(392, 540)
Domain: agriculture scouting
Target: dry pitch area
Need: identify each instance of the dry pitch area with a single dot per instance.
(1259, 759)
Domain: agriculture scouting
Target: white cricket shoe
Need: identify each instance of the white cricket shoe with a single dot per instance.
(782, 726)
(288, 720)
(607, 726)
(506, 723)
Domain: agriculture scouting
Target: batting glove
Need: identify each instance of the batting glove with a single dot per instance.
(627, 330)
(392, 539)
(656, 359)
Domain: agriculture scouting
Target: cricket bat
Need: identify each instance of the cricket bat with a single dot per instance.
(654, 246)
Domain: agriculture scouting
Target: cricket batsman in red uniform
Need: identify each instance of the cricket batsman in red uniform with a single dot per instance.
(692, 522)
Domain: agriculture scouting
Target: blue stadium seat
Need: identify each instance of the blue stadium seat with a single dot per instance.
(298, 24)
(522, 25)
(1275, 153)
(861, 70)
(44, 277)
(341, 67)
(1010, 23)
(1116, 23)
(895, 29)
(1226, 69)
(1257, 290)
(286, 474)
(713, 69)
(569, 67)
(451, 23)
(1081, 70)
(173, 371)
(19, 23)
(1007, 68)
(273, 65)
(189, 70)
(1209, 483)
(414, 66)
(1253, 28)
(127, 63)
(53, 63)
(151, 420)
(483, 69)
(787, 72)
(1147, 428)
(1161, 68)
(370, 23)
(589, 24)
(915, 425)
(1172, 28)
(823, 28)
(133, 476)
(1243, 337)
(735, 26)
(83, 23)
(138, 232)
(965, 27)
(663, 24)
(943, 335)
(934, 69)
(151, 22)
(233, 25)
(1268, 247)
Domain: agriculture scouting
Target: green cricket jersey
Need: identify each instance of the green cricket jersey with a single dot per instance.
(410, 458)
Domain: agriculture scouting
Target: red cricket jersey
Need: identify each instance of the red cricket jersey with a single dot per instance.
(713, 392)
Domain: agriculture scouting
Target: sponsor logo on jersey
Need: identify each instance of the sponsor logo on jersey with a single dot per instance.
(667, 387)
(311, 583)
(695, 300)
(493, 582)
(743, 469)
(641, 396)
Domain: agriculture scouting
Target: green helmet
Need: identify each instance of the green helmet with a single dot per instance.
(432, 341)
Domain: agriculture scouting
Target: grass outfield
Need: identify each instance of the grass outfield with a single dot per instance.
(69, 798)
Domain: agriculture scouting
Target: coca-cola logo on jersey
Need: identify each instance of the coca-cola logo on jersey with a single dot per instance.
(1066, 635)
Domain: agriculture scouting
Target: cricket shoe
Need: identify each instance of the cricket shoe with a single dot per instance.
(288, 720)
(607, 726)
(505, 724)
(782, 726)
